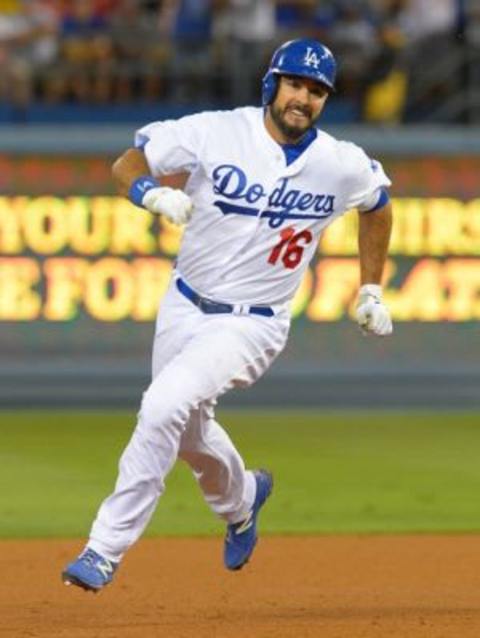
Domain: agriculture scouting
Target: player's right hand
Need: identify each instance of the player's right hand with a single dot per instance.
(373, 316)
(174, 204)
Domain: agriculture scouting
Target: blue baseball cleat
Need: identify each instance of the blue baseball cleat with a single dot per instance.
(241, 537)
(90, 571)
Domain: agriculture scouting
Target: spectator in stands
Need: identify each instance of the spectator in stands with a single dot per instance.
(248, 29)
(140, 54)
(28, 45)
(385, 85)
(431, 38)
(423, 19)
(354, 38)
(187, 25)
(87, 54)
(295, 18)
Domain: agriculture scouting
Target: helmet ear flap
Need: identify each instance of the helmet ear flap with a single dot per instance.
(269, 88)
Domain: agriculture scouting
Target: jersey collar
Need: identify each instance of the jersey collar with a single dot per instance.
(293, 151)
(276, 150)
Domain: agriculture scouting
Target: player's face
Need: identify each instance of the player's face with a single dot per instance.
(297, 105)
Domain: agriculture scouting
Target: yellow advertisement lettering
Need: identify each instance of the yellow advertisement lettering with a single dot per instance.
(18, 300)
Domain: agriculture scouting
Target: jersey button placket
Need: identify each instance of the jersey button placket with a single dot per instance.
(255, 235)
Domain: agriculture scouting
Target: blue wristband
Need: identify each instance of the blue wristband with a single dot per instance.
(139, 187)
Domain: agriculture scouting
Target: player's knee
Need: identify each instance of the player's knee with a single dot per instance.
(163, 410)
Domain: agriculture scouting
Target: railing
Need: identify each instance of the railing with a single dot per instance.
(110, 140)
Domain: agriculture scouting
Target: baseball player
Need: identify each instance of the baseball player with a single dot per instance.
(263, 184)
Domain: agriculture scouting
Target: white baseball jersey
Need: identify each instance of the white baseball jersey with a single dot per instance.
(256, 220)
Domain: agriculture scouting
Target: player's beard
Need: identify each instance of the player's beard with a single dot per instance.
(292, 132)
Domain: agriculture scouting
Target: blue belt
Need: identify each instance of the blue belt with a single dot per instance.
(210, 307)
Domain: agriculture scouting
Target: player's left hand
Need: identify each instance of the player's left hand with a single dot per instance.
(373, 315)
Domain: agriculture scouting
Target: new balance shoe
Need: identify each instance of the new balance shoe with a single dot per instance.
(90, 571)
(241, 537)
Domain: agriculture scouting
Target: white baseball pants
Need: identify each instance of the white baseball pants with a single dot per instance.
(196, 358)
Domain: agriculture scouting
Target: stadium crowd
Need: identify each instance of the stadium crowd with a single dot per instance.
(398, 59)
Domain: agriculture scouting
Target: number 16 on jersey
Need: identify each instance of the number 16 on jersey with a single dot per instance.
(290, 247)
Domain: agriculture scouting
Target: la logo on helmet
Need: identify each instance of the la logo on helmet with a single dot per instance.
(311, 58)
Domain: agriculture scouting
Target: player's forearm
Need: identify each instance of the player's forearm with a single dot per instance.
(373, 240)
(127, 168)
(133, 179)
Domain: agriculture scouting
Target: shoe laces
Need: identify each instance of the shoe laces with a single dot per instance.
(89, 558)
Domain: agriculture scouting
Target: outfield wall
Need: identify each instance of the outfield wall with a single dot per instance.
(82, 272)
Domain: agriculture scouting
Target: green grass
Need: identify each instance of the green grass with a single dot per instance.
(334, 472)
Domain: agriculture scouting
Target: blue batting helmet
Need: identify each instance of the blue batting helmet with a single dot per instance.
(305, 58)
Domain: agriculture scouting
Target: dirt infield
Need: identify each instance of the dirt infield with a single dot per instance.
(328, 587)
